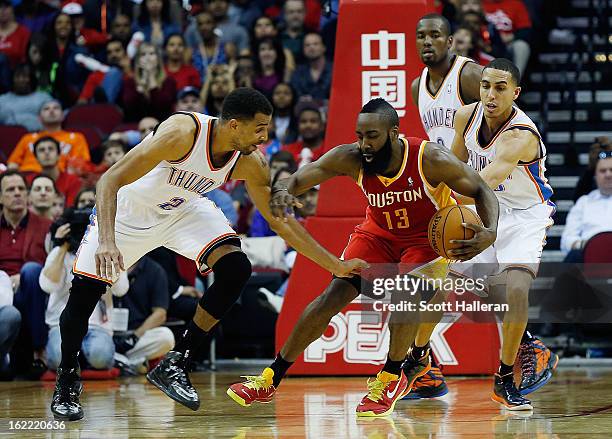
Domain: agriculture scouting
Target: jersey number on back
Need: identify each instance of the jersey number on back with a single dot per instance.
(399, 219)
(172, 204)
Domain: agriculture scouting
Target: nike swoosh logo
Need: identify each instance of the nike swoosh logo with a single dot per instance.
(390, 394)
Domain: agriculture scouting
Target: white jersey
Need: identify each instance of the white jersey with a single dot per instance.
(526, 186)
(173, 185)
(437, 111)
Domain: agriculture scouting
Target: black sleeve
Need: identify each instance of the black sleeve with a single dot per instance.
(523, 34)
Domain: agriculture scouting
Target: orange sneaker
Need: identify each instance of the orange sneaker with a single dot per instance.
(383, 393)
(537, 364)
(254, 389)
(430, 385)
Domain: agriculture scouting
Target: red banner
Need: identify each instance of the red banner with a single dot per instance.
(375, 57)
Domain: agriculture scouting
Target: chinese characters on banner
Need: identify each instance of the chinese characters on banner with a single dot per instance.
(381, 51)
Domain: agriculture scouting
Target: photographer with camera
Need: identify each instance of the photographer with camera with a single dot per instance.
(55, 279)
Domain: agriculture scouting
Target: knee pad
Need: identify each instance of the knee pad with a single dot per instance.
(232, 272)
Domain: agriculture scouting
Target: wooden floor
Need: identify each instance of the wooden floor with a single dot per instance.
(577, 403)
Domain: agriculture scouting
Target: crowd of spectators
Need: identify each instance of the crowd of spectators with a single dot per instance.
(150, 59)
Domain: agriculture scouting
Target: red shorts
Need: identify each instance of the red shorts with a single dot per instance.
(388, 257)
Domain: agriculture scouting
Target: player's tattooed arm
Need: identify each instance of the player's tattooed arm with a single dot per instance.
(343, 160)
(172, 140)
(442, 167)
(256, 174)
(511, 147)
(470, 82)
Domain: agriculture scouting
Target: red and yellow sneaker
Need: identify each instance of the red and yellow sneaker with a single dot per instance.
(383, 393)
(430, 385)
(254, 389)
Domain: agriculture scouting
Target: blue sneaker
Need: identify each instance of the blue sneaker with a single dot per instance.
(537, 364)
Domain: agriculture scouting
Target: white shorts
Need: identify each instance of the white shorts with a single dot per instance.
(521, 236)
(193, 231)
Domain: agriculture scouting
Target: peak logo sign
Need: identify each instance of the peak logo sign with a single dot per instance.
(363, 338)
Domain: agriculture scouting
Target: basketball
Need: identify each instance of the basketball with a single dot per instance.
(445, 226)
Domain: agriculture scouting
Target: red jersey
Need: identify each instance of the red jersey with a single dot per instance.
(400, 207)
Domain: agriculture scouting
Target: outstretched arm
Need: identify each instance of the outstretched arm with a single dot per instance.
(254, 170)
(341, 160)
(510, 148)
(441, 167)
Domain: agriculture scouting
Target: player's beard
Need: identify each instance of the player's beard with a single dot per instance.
(381, 160)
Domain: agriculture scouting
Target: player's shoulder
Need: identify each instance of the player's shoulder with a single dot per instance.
(471, 68)
(518, 134)
(464, 113)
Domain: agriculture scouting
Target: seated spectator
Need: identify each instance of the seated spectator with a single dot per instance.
(232, 33)
(131, 138)
(511, 19)
(42, 194)
(465, 43)
(86, 198)
(270, 68)
(46, 150)
(150, 92)
(112, 151)
(84, 36)
(22, 253)
(310, 144)
(62, 48)
(21, 105)
(155, 23)
(14, 36)
(73, 145)
(314, 77)
(188, 99)
(105, 85)
(207, 47)
(183, 295)
(265, 27)
(294, 13)
(244, 12)
(184, 74)
(121, 29)
(471, 14)
(57, 206)
(147, 302)
(592, 213)
(283, 101)
(55, 279)
(245, 71)
(40, 62)
(282, 160)
(218, 85)
(587, 181)
(10, 322)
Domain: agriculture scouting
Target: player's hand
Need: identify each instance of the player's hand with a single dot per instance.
(282, 204)
(469, 248)
(350, 268)
(108, 257)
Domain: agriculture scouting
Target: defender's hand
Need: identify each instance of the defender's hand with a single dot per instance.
(350, 268)
(108, 257)
(482, 239)
(282, 204)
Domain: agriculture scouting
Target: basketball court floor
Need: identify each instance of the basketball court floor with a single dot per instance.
(577, 403)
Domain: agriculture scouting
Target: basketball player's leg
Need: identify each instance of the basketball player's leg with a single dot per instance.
(202, 234)
(85, 292)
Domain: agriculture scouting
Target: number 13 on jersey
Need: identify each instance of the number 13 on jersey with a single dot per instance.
(398, 219)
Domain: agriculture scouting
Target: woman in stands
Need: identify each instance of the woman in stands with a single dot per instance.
(150, 92)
